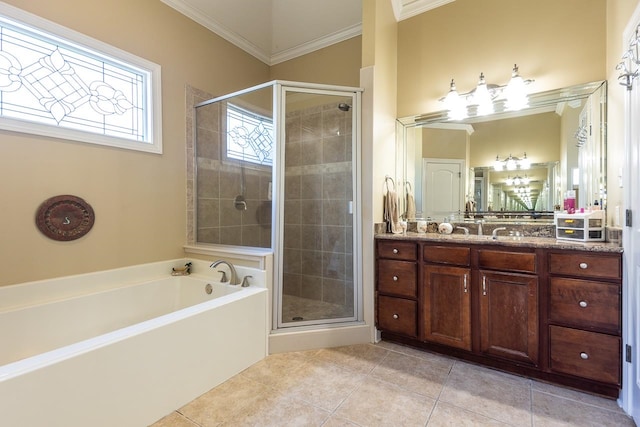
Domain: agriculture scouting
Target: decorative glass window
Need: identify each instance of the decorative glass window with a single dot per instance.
(55, 82)
(249, 136)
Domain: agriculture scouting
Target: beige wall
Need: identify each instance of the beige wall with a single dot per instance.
(139, 199)
(557, 43)
(538, 135)
(338, 64)
(445, 144)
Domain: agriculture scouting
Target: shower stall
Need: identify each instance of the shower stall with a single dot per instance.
(277, 166)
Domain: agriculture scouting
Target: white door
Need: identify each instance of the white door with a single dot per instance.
(442, 187)
(630, 396)
(631, 241)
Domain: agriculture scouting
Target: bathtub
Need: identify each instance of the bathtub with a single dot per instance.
(124, 347)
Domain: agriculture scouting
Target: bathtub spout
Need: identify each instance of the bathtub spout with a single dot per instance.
(234, 274)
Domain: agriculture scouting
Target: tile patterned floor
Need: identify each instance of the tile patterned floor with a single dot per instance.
(387, 385)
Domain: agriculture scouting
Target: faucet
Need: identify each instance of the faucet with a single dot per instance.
(494, 235)
(465, 229)
(234, 274)
(479, 222)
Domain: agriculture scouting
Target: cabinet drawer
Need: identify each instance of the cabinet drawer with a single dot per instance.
(397, 315)
(447, 255)
(585, 354)
(585, 304)
(397, 277)
(606, 266)
(524, 262)
(407, 251)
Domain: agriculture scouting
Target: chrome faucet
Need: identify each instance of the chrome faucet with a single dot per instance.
(465, 229)
(494, 235)
(479, 222)
(234, 274)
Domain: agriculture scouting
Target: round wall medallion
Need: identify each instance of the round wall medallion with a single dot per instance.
(65, 218)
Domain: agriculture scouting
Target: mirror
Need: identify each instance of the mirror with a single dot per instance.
(448, 167)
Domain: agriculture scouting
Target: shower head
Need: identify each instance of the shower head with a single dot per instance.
(344, 107)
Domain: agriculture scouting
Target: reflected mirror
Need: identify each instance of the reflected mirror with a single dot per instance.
(508, 164)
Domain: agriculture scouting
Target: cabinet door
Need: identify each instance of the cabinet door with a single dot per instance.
(509, 316)
(447, 305)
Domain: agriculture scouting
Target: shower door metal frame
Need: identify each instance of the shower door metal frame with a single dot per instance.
(280, 91)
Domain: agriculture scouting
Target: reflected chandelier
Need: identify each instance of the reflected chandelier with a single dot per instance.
(512, 163)
(481, 100)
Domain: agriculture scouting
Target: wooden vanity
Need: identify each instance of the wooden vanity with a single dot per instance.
(534, 306)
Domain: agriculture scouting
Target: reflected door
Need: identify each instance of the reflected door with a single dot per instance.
(442, 186)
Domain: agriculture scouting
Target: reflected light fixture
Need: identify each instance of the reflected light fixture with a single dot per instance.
(517, 180)
(512, 163)
(483, 99)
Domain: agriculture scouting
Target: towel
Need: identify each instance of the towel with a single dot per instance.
(392, 215)
(411, 205)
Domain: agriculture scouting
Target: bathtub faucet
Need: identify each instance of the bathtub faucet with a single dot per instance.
(234, 274)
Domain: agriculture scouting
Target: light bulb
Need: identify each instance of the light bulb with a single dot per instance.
(525, 163)
(511, 163)
(482, 98)
(515, 92)
(454, 103)
(498, 165)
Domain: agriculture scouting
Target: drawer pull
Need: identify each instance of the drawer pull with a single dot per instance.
(484, 285)
(584, 356)
(465, 284)
(395, 278)
(395, 251)
(395, 316)
(583, 265)
(583, 304)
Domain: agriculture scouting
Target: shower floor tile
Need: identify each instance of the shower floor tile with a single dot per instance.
(297, 309)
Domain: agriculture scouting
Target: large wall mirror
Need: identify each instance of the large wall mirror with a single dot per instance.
(557, 144)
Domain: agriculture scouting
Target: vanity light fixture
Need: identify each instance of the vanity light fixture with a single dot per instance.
(512, 163)
(483, 99)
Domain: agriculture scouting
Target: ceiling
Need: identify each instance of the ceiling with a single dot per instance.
(275, 31)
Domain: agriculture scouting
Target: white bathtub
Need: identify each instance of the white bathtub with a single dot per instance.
(123, 347)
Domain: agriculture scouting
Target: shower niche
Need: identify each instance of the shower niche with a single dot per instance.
(276, 166)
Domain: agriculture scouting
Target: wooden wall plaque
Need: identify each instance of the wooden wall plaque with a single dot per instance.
(65, 218)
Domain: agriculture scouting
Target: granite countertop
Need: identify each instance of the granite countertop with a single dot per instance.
(522, 242)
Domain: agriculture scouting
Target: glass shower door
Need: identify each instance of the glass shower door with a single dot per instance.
(317, 222)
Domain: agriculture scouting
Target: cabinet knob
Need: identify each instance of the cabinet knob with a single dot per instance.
(583, 265)
(395, 251)
(395, 278)
(584, 356)
(395, 316)
(583, 304)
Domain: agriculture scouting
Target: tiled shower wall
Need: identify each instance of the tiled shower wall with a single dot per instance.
(318, 243)
(218, 182)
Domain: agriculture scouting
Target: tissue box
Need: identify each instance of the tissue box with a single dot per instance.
(585, 227)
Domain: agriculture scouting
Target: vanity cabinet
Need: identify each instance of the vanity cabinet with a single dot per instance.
(585, 315)
(509, 305)
(397, 287)
(544, 312)
(446, 295)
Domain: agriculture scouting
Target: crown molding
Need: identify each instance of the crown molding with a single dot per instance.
(412, 8)
(219, 29)
(322, 42)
